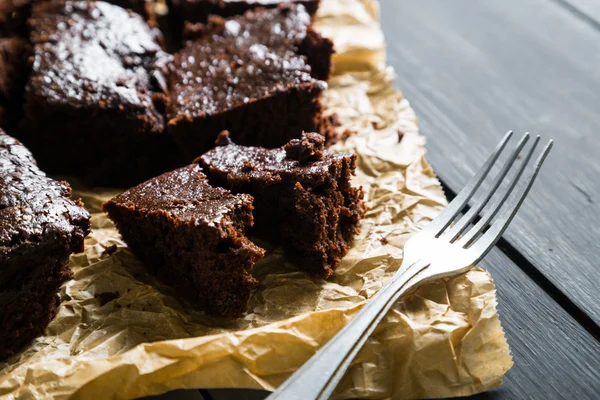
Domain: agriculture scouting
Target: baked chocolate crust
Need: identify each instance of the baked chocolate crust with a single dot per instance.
(40, 226)
(182, 12)
(191, 235)
(302, 193)
(199, 10)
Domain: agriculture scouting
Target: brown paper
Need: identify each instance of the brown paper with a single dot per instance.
(120, 333)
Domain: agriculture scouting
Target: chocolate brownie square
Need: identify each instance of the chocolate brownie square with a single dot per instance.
(40, 226)
(192, 235)
(13, 75)
(94, 100)
(250, 75)
(302, 193)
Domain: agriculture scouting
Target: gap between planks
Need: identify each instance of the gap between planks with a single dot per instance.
(540, 279)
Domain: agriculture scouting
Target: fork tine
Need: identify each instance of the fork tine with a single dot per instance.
(445, 218)
(487, 218)
(456, 230)
(491, 237)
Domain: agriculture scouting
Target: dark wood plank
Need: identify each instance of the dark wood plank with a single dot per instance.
(474, 70)
(554, 356)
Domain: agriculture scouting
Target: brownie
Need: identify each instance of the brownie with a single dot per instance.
(95, 97)
(13, 75)
(14, 13)
(40, 226)
(191, 235)
(184, 11)
(248, 75)
(302, 193)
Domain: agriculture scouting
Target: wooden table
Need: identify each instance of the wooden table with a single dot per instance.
(474, 70)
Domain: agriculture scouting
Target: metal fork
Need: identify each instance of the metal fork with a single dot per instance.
(446, 247)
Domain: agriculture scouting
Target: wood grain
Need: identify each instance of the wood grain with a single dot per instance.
(521, 65)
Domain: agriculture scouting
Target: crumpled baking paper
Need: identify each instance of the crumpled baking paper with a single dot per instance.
(121, 334)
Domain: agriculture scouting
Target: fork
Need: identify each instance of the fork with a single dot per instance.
(448, 246)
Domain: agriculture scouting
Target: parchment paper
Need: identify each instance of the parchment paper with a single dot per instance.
(121, 334)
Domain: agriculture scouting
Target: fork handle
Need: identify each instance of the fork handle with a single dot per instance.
(319, 376)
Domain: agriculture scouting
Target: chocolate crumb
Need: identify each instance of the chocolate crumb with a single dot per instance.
(223, 139)
(400, 135)
(248, 166)
(193, 31)
(108, 251)
(106, 297)
(347, 133)
(329, 123)
(334, 120)
(384, 240)
(307, 149)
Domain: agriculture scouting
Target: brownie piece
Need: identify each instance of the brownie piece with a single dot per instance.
(192, 235)
(13, 75)
(183, 11)
(94, 100)
(248, 75)
(303, 198)
(40, 226)
(14, 13)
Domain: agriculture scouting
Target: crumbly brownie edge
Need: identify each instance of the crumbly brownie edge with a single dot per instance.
(318, 51)
(316, 225)
(319, 226)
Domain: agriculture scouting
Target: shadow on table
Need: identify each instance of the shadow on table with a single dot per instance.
(246, 394)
